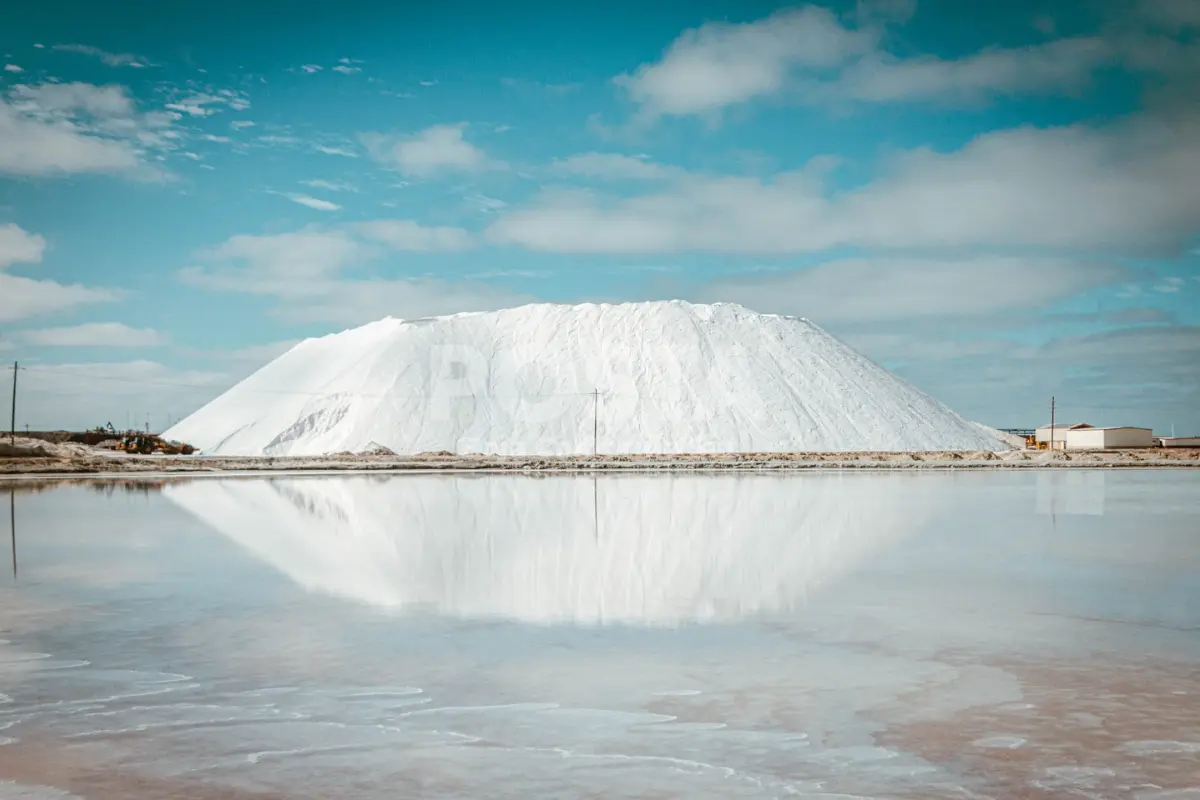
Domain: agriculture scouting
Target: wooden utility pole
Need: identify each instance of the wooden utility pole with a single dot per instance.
(1051, 423)
(12, 427)
(595, 419)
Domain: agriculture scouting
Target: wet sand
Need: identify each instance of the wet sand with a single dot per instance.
(1095, 728)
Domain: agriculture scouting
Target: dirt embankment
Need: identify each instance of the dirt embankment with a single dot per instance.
(28, 456)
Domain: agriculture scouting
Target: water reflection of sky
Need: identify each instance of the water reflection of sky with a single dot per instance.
(768, 606)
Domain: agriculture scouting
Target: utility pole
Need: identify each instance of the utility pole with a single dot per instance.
(595, 419)
(1052, 423)
(12, 428)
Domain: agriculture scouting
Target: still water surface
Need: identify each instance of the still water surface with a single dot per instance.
(923, 635)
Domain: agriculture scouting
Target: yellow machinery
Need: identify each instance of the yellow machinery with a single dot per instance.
(146, 444)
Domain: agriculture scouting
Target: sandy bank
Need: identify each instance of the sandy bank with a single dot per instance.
(41, 458)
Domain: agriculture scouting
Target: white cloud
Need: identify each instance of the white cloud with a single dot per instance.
(864, 290)
(238, 124)
(311, 68)
(12, 68)
(18, 246)
(403, 234)
(331, 186)
(111, 59)
(721, 64)
(809, 54)
(306, 272)
(61, 129)
(484, 203)
(94, 334)
(335, 151)
(1170, 285)
(22, 297)
(1131, 186)
(202, 104)
(306, 254)
(312, 202)
(97, 101)
(440, 148)
(346, 70)
(1062, 65)
(614, 166)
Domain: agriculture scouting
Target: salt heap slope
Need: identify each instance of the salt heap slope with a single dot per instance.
(672, 377)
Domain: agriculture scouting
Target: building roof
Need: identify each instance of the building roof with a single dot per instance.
(1120, 428)
(1065, 427)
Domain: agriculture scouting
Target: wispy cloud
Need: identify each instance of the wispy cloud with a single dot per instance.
(348, 66)
(94, 334)
(440, 148)
(202, 104)
(311, 202)
(614, 166)
(305, 271)
(109, 58)
(335, 151)
(12, 68)
(331, 186)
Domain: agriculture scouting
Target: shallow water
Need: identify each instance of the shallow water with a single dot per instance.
(982, 634)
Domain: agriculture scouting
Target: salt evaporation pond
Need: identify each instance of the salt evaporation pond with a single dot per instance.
(922, 635)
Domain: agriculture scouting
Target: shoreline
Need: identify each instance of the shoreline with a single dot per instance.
(100, 466)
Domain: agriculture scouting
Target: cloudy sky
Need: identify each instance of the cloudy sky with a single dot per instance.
(1000, 200)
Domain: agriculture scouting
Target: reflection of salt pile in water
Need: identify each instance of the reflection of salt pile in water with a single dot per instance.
(673, 378)
(651, 550)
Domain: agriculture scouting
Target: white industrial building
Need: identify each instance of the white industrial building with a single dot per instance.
(1081, 436)
(1179, 441)
(1107, 438)
(1043, 435)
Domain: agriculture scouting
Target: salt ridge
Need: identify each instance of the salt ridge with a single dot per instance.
(673, 377)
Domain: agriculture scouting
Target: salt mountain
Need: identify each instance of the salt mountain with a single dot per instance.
(669, 377)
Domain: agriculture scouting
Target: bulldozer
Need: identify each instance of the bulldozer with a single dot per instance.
(147, 444)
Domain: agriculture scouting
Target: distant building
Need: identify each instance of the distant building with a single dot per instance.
(1042, 434)
(1089, 438)
(1179, 441)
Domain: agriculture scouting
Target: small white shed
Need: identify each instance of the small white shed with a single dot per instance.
(1108, 438)
(1042, 434)
(1179, 441)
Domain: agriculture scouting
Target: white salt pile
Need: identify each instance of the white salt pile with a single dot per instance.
(662, 377)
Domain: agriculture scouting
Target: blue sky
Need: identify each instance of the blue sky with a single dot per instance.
(1000, 201)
